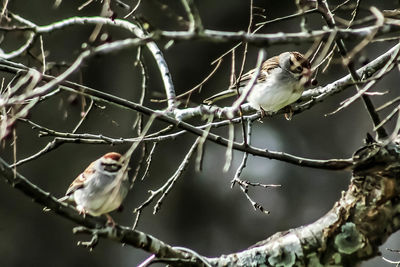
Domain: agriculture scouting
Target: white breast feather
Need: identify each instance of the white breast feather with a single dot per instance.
(274, 94)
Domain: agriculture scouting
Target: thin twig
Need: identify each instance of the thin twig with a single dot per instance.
(340, 5)
(164, 190)
(148, 161)
(250, 85)
(171, 181)
(196, 87)
(381, 132)
(295, 15)
(245, 184)
(200, 147)
(245, 154)
(380, 20)
(229, 150)
(142, 38)
(84, 116)
(43, 54)
(133, 9)
(361, 92)
(322, 92)
(193, 15)
(388, 104)
(395, 131)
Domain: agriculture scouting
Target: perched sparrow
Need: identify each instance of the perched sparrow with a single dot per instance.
(281, 82)
(101, 188)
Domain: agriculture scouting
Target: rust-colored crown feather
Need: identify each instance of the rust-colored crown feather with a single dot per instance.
(112, 156)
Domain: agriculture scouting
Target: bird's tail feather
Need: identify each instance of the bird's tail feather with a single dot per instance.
(219, 96)
(63, 199)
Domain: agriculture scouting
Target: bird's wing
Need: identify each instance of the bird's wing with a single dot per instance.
(221, 95)
(266, 68)
(81, 179)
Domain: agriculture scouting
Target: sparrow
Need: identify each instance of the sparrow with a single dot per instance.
(101, 188)
(281, 82)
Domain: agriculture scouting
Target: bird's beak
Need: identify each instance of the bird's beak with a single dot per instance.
(307, 79)
(306, 72)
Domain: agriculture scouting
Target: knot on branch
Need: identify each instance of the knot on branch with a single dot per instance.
(367, 212)
(377, 158)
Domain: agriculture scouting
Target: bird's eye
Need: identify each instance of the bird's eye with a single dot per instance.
(290, 62)
(114, 167)
(299, 69)
(111, 167)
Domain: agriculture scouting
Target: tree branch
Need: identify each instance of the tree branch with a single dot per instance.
(381, 132)
(218, 36)
(346, 235)
(124, 24)
(333, 164)
(352, 231)
(120, 234)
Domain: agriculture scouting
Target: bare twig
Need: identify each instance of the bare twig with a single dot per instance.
(166, 188)
(4, 10)
(85, 4)
(123, 24)
(249, 86)
(295, 15)
(350, 66)
(133, 9)
(84, 116)
(229, 150)
(200, 147)
(244, 185)
(340, 5)
(118, 233)
(196, 87)
(148, 161)
(245, 154)
(385, 69)
(193, 15)
(43, 54)
(211, 35)
(380, 20)
(318, 95)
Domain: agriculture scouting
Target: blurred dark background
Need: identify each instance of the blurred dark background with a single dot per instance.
(202, 212)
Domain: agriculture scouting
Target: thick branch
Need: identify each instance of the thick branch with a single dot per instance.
(318, 95)
(222, 36)
(333, 164)
(119, 233)
(365, 216)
